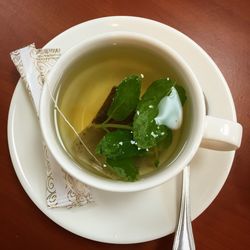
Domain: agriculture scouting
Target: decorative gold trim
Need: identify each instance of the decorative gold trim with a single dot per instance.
(51, 196)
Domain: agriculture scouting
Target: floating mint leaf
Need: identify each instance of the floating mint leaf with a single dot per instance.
(124, 168)
(182, 93)
(158, 89)
(126, 98)
(118, 144)
(146, 132)
(163, 145)
(168, 141)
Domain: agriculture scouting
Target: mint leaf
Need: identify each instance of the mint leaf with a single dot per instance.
(126, 98)
(124, 168)
(118, 144)
(168, 141)
(158, 89)
(146, 132)
(182, 93)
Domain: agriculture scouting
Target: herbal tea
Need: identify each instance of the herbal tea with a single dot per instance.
(128, 108)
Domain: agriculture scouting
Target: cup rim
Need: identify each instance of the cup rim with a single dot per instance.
(85, 176)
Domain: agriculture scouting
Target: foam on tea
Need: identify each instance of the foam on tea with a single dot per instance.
(117, 140)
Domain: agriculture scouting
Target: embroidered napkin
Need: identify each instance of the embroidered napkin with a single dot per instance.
(34, 65)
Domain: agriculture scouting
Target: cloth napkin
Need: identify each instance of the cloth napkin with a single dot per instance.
(62, 190)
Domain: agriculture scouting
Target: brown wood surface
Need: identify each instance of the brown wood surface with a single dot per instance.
(221, 27)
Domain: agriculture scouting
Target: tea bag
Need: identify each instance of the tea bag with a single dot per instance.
(34, 65)
(84, 148)
(84, 145)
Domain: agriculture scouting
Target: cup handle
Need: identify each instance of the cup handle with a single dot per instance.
(221, 134)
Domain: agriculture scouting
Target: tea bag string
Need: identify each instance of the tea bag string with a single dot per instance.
(71, 126)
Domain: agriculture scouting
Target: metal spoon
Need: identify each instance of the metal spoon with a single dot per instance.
(184, 239)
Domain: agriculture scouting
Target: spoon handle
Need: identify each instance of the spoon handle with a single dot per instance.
(184, 239)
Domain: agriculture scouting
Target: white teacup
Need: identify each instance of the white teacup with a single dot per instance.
(204, 131)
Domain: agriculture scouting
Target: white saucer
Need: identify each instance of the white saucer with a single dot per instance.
(125, 218)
